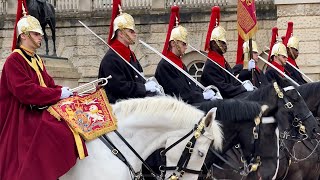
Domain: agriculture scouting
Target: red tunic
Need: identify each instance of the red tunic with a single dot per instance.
(33, 144)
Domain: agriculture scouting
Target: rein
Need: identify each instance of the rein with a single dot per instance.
(181, 167)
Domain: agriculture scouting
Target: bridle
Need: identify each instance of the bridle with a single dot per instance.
(181, 167)
(297, 122)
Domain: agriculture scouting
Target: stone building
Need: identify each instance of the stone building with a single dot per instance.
(84, 51)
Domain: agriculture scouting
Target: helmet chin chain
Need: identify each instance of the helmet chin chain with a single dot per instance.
(220, 47)
(33, 42)
(178, 48)
(131, 41)
(293, 57)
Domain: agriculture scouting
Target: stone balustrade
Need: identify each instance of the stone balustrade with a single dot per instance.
(62, 6)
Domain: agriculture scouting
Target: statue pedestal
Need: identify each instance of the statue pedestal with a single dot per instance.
(61, 70)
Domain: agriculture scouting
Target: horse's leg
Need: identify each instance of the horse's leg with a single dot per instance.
(52, 25)
(45, 38)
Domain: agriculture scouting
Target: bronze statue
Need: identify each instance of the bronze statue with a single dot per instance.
(45, 13)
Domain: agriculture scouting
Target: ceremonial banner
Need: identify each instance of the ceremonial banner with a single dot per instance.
(246, 19)
(90, 115)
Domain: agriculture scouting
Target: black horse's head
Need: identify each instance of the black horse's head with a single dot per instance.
(292, 113)
(242, 125)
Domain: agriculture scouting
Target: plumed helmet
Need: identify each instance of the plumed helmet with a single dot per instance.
(28, 24)
(246, 47)
(293, 42)
(123, 21)
(179, 33)
(218, 34)
(279, 49)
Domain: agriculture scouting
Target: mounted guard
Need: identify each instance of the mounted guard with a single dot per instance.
(213, 74)
(121, 63)
(292, 44)
(175, 82)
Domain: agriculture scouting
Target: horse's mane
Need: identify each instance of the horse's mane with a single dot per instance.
(309, 89)
(233, 110)
(184, 114)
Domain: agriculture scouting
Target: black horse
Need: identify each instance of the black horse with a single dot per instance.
(305, 164)
(237, 119)
(290, 110)
(45, 13)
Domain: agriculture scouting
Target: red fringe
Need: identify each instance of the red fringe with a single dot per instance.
(215, 15)
(115, 13)
(172, 22)
(240, 50)
(289, 33)
(273, 40)
(18, 17)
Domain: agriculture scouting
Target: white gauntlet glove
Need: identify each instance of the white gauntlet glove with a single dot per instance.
(151, 86)
(65, 93)
(209, 94)
(248, 85)
(251, 65)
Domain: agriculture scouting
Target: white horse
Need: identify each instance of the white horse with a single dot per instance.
(147, 124)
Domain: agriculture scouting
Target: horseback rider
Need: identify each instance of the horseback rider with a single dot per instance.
(34, 145)
(257, 77)
(125, 82)
(293, 53)
(213, 74)
(171, 79)
(279, 57)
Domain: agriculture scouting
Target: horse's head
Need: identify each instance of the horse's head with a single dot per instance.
(296, 120)
(185, 156)
(241, 123)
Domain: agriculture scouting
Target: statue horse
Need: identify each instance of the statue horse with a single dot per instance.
(289, 109)
(148, 124)
(45, 13)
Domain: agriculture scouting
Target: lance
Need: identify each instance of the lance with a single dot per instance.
(279, 71)
(182, 71)
(138, 72)
(296, 69)
(216, 63)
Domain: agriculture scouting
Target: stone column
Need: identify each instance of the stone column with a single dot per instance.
(11, 6)
(305, 16)
(85, 6)
(158, 5)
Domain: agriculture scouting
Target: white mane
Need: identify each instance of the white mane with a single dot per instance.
(183, 114)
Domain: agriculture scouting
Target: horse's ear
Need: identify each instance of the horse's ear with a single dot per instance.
(210, 115)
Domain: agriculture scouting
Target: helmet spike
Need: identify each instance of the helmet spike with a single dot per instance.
(24, 12)
(177, 21)
(120, 9)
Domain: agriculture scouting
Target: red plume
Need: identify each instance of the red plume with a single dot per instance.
(214, 21)
(115, 13)
(289, 33)
(283, 38)
(174, 14)
(240, 50)
(273, 40)
(18, 17)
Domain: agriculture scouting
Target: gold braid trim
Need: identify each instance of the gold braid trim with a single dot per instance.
(34, 64)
